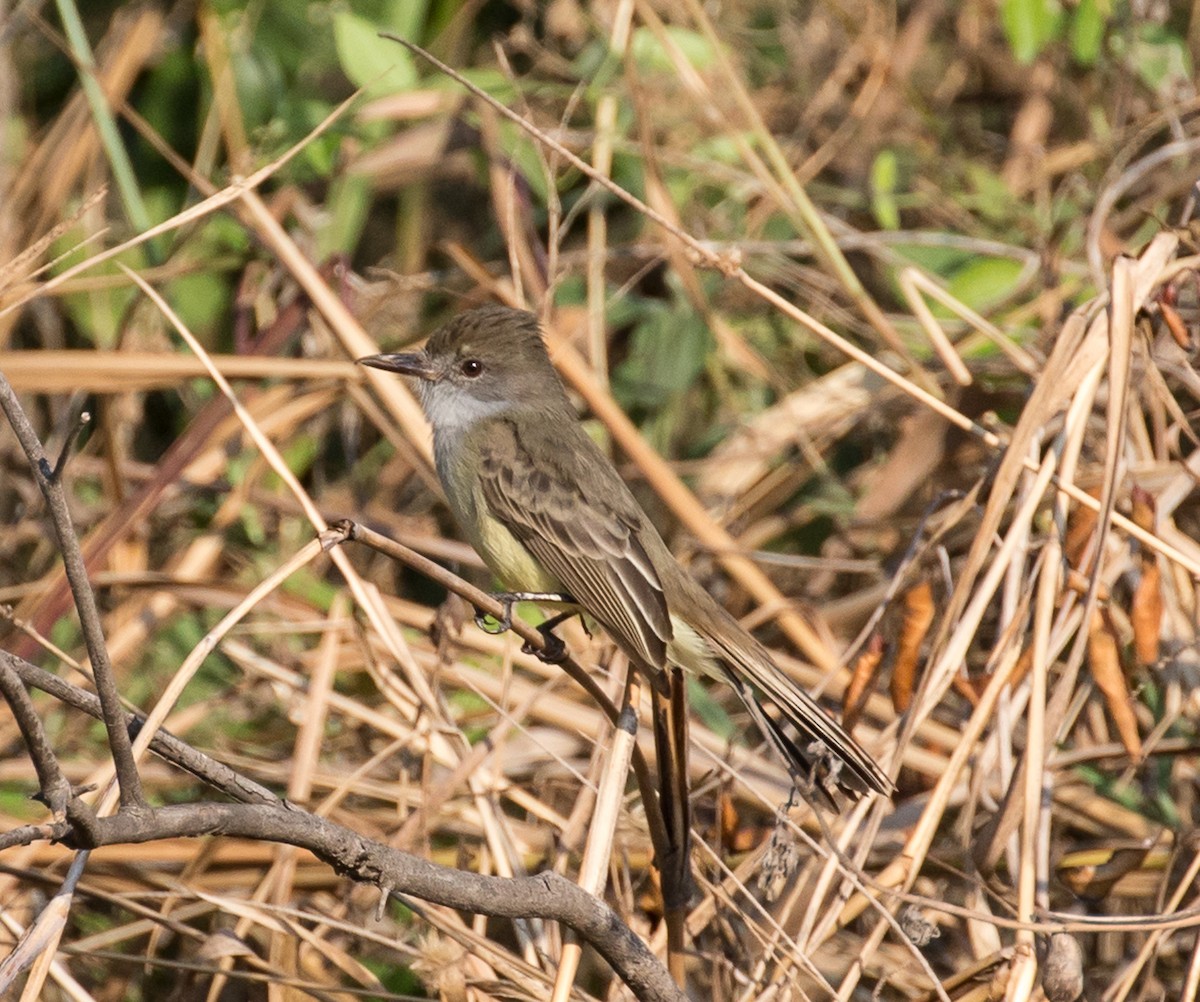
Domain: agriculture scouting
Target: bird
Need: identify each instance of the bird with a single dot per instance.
(549, 514)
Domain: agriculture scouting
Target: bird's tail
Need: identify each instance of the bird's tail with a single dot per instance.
(819, 753)
(674, 855)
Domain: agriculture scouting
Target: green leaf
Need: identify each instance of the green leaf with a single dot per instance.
(309, 587)
(201, 299)
(346, 211)
(378, 65)
(1087, 30)
(1030, 25)
(406, 18)
(985, 281)
(711, 713)
(260, 83)
(650, 55)
(252, 525)
(1160, 58)
(667, 353)
(885, 173)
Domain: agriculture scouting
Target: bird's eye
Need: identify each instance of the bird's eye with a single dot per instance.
(471, 367)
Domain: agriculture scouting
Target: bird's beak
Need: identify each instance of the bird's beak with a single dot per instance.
(415, 363)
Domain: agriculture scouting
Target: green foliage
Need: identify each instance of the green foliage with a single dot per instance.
(1160, 57)
(16, 800)
(1030, 25)
(311, 588)
(1156, 52)
(1086, 32)
(650, 55)
(982, 282)
(711, 713)
(397, 979)
(202, 299)
(668, 349)
(377, 65)
(884, 179)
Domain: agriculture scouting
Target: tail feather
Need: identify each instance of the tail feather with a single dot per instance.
(825, 757)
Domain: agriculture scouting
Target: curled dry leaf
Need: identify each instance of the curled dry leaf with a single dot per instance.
(1176, 326)
(1021, 668)
(970, 687)
(1081, 524)
(1146, 611)
(737, 835)
(918, 616)
(1143, 508)
(1105, 662)
(865, 670)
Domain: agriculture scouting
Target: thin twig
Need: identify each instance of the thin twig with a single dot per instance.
(81, 589)
(55, 789)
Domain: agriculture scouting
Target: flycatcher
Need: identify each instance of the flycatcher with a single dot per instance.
(548, 513)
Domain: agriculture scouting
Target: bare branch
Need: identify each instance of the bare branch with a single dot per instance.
(55, 789)
(546, 896)
(81, 588)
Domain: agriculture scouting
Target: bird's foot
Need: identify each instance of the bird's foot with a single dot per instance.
(485, 620)
(553, 650)
(507, 600)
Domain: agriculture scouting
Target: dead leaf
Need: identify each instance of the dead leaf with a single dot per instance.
(1081, 523)
(918, 616)
(1105, 662)
(1174, 323)
(1146, 609)
(865, 670)
(1147, 612)
(1143, 508)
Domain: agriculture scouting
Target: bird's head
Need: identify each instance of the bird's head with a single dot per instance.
(480, 364)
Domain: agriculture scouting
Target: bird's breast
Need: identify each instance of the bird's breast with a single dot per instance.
(505, 555)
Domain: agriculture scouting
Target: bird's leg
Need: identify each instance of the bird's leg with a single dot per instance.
(554, 651)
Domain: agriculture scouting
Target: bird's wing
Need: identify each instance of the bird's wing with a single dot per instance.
(591, 546)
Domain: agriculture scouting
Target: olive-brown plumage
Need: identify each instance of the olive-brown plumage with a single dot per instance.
(548, 512)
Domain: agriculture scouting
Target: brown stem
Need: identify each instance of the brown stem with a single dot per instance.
(81, 589)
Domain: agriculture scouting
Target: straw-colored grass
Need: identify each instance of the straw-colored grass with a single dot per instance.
(948, 473)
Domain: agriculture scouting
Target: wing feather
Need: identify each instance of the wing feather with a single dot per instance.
(592, 547)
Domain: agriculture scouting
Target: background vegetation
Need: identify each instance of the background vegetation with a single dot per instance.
(943, 187)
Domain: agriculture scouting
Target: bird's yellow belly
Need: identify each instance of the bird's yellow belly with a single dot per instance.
(508, 559)
(506, 556)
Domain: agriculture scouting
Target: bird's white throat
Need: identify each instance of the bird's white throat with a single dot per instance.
(452, 411)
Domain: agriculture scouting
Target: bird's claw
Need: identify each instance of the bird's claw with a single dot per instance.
(553, 650)
(484, 620)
